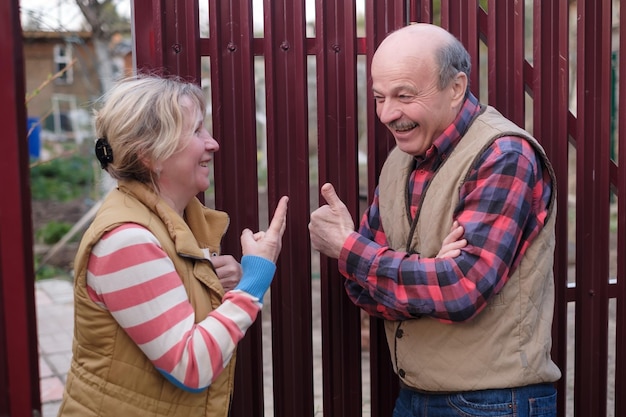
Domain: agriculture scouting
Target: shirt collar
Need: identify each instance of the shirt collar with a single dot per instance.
(444, 144)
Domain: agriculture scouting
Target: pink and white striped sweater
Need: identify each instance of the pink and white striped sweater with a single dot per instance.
(131, 276)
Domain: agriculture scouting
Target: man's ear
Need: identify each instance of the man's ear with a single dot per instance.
(458, 87)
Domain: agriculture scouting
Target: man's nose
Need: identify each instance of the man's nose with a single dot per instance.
(388, 111)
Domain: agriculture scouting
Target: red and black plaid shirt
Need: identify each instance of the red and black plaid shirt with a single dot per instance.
(502, 206)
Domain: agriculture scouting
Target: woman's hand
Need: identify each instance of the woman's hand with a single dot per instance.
(228, 271)
(452, 244)
(269, 243)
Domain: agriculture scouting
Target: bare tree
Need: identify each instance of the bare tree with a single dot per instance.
(105, 21)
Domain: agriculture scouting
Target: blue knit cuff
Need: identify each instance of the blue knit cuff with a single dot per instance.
(257, 275)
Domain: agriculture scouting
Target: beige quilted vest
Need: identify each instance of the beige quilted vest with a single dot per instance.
(508, 343)
(109, 375)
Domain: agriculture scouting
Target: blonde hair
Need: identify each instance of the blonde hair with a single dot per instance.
(142, 119)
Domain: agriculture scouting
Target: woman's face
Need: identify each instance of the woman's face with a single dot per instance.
(186, 173)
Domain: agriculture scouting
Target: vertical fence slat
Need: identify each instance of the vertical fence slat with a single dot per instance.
(234, 127)
(620, 325)
(461, 19)
(19, 374)
(592, 207)
(166, 37)
(181, 34)
(147, 35)
(288, 171)
(506, 58)
(185, 52)
(421, 11)
(338, 147)
(549, 89)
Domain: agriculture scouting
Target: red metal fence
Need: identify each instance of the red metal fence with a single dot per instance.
(546, 64)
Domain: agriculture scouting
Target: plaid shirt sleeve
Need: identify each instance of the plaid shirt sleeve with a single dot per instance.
(502, 207)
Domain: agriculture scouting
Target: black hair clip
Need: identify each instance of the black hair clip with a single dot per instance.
(104, 153)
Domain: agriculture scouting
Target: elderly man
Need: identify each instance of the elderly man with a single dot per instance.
(468, 326)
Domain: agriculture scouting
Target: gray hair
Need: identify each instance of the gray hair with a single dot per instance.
(452, 59)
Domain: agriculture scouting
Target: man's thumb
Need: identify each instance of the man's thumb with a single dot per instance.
(331, 197)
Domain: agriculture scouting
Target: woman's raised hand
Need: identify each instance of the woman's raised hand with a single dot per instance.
(269, 243)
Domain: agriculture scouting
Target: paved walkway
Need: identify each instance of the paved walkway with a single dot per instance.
(55, 324)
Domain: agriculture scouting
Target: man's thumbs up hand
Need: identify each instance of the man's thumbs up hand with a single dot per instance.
(331, 197)
(330, 224)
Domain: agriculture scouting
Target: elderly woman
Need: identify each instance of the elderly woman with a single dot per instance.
(158, 310)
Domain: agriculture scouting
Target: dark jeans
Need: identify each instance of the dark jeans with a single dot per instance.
(530, 401)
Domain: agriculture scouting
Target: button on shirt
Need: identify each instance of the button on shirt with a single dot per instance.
(502, 207)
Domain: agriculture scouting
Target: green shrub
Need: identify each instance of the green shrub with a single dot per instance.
(49, 271)
(62, 179)
(52, 232)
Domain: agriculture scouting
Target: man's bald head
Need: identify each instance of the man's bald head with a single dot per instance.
(425, 44)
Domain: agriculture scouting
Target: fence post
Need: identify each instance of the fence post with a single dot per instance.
(19, 372)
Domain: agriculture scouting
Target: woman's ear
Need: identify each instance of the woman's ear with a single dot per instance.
(153, 166)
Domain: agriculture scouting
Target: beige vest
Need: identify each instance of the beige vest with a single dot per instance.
(109, 375)
(508, 343)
